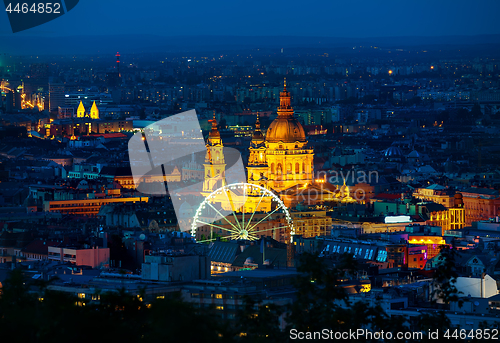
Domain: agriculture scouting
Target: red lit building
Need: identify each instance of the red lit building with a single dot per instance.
(93, 257)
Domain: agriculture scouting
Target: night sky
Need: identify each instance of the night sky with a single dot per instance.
(348, 18)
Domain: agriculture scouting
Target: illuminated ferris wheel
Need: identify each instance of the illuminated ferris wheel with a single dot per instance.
(242, 211)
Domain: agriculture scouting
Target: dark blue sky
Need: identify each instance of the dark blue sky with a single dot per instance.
(347, 18)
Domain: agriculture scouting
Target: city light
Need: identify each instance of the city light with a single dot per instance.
(397, 219)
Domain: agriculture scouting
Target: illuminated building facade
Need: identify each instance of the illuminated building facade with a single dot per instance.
(453, 218)
(435, 193)
(433, 243)
(281, 160)
(311, 223)
(172, 174)
(87, 207)
(480, 204)
(417, 256)
(407, 255)
(434, 214)
(84, 126)
(94, 257)
(397, 255)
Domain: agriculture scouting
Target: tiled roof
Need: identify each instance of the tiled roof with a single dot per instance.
(224, 252)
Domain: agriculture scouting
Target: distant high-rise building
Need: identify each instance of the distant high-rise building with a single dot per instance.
(56, 96)
(113, 77)
(13, 101)
(118, 64)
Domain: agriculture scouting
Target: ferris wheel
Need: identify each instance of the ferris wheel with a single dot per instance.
(242, 211)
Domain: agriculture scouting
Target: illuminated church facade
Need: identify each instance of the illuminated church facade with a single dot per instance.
(82, 113)
(281, 159)
(278, 161)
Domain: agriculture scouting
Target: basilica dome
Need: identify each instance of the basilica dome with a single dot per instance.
(286, 128)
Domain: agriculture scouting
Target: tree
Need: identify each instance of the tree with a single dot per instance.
(259, 322)
(444, 288)
(53, 316)
(446, 275)
(38, 314)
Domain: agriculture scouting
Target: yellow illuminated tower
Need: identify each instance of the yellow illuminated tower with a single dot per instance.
(94, 111)
(257, 165)
(287, 160)
(214, 165)
(80, 112)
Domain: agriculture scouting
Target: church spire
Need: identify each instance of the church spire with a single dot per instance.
(214, 124)
(257, 137)
(94, 111)
(285, 109)
(80, 112)
(214, 135)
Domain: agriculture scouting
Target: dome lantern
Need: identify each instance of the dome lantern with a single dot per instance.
(286, 128)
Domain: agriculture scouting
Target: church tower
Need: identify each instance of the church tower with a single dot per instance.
(257, 165)
(94, 111)
(80, 112)
(214, 166)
